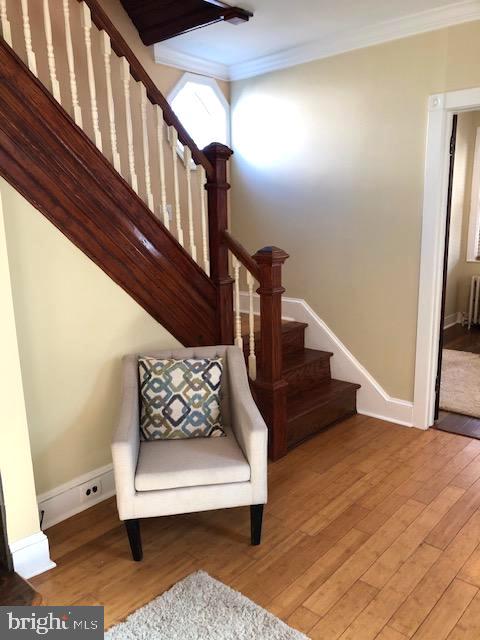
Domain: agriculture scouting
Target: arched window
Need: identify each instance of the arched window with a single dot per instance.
(202, 109)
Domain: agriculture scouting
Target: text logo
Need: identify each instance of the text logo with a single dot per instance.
(25, 623)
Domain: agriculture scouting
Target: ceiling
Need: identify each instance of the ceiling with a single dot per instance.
(280, 26)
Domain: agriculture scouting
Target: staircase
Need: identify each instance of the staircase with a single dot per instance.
(97, 149)
(314, 400)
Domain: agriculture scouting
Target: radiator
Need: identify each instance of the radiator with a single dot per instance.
(474, 305)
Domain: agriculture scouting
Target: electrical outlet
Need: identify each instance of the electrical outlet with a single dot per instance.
(90, 490)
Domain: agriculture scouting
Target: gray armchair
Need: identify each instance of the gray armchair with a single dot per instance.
(166, 477)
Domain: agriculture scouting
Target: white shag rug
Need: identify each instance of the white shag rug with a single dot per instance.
(460, 383)
(201, 608)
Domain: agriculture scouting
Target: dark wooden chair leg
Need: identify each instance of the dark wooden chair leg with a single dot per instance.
(256, 519)
(134, 538)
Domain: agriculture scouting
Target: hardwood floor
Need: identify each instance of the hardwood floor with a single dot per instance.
(457, 423)
(371, 531)
(460, 338)
(15, 591)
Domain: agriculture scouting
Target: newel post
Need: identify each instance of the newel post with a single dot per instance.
(271, 388)
(217, 188)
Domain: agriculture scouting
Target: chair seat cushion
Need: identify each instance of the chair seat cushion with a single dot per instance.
(169, 464)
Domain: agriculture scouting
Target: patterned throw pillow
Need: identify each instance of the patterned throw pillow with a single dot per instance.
(180, 398)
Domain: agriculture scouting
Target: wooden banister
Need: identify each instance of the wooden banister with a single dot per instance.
(270, 386)
(242, 254)
(54, 165)
(121, 48)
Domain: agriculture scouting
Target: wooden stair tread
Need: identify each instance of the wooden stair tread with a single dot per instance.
(303, 403)
(287, 326)
(298, 359)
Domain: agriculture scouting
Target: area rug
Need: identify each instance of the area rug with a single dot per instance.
(201, 608)
(460, 384)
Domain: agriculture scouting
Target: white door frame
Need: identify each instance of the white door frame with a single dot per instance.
(441, 108)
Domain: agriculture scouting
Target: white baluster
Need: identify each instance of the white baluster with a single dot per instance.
(87, 31)
(252, 358)
(77, 112)
(146, 148)
(202, 178)
(6, 30)
(128, 112)
(107, 53)
(238, 317)
(32, 61)
(191, 233)
(50, 52)
(161, 160)
(178, 215)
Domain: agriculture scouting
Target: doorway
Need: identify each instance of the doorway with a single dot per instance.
(442, 109)
(457, 402)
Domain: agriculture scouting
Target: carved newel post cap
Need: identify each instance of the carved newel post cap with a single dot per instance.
(271, 255)
(218, 150)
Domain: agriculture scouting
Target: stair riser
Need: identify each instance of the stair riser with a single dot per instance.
(308, 376)
(339, 408)
(293, 341)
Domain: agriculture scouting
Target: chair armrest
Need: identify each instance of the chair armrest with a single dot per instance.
(247, 422)
(126, 439)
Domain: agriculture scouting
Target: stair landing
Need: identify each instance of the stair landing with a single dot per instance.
(315, 400)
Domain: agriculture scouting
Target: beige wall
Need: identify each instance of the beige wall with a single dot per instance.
(329, 165)
(15, 456)
(74, 324)
(459, 270)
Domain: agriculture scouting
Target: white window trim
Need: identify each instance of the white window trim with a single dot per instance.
(209, 82)
(474, 222)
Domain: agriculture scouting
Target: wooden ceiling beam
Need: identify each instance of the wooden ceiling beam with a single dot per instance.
(163, 19)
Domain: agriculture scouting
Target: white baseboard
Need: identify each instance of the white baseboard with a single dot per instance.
(31, 555)
(452, 319)
(372, 399)
(65, 500)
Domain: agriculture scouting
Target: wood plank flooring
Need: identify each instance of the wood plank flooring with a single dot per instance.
(371, 531)
(458, 423)
(460, 338)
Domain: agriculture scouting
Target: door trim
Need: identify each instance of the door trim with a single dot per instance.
(441, 109)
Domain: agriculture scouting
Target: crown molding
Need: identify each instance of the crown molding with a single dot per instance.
(173, 58)
(350, 40)
(337, 43)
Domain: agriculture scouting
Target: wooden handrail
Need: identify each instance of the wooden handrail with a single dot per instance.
(121, 48)
(242, 254)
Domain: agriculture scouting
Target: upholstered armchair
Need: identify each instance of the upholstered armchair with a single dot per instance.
(166, 477)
